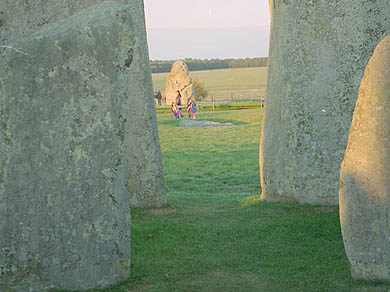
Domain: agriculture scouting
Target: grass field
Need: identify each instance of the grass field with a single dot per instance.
(240, 83)
(215, 235)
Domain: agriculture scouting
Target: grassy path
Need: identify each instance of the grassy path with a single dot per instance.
(214, 235)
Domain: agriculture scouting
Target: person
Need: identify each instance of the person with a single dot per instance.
(189, 107)
(193, 109)
(155, 94)
(178, 98)
(159, 97)
(178, 103)
(174, 110)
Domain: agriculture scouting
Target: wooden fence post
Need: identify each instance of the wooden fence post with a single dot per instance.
(213, 100)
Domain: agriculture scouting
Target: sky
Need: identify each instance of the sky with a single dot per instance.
(206, 29)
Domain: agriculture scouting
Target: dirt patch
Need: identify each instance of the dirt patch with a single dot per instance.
(204, 124)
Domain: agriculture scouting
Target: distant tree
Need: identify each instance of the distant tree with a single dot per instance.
(200, 90)
(159, 66)
(248, 62)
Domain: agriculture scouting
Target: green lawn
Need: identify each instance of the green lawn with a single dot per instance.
(226, 83)
(215, 235)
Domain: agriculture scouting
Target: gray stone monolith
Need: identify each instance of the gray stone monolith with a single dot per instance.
(146, 181)
(179, 79)
(64, 112)
(146, 178)
(365, 174)
(318, 53)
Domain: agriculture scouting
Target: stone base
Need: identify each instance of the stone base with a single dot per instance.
(370, 272)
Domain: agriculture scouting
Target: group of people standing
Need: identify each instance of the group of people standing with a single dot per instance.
(158, 96)
(177, 106)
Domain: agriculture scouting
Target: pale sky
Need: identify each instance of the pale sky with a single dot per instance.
(206, 13)
(207, 29)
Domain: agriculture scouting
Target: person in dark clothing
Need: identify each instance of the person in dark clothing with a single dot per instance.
(178, 98)
(178, 102)
(159, 97)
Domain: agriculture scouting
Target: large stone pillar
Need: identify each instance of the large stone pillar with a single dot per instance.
(64, 206)
(146, 181)
(365, 174)
(71, 75)
(146, 178)
(318, 52)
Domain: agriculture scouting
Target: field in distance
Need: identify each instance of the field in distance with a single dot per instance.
(226, 84)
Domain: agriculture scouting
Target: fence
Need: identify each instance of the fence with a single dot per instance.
(207, 107)
(232, 95)
(238, 95)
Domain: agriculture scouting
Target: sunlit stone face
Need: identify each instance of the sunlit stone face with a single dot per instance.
(364, 176)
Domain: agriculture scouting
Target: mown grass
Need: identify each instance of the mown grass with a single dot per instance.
(215, 235)
(223, 79)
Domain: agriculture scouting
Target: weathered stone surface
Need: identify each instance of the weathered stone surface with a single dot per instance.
(64, 205)
(146, 181)
(179, 79)
(318, 53)
(20, 17)
(146, 178)
(365, 174)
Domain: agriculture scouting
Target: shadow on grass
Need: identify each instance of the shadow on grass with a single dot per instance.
(234, 242)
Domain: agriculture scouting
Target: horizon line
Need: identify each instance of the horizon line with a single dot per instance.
(213, 27)
(183, 59)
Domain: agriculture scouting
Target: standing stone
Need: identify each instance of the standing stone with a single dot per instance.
(318, 53)
(146, 180)
(179, 79)
(64, 172)
(146, 177)
(365, 174)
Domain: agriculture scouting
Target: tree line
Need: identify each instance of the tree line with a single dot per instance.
(159, 66)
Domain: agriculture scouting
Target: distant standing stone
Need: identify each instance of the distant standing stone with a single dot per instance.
(365, 174)
(179, 79)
